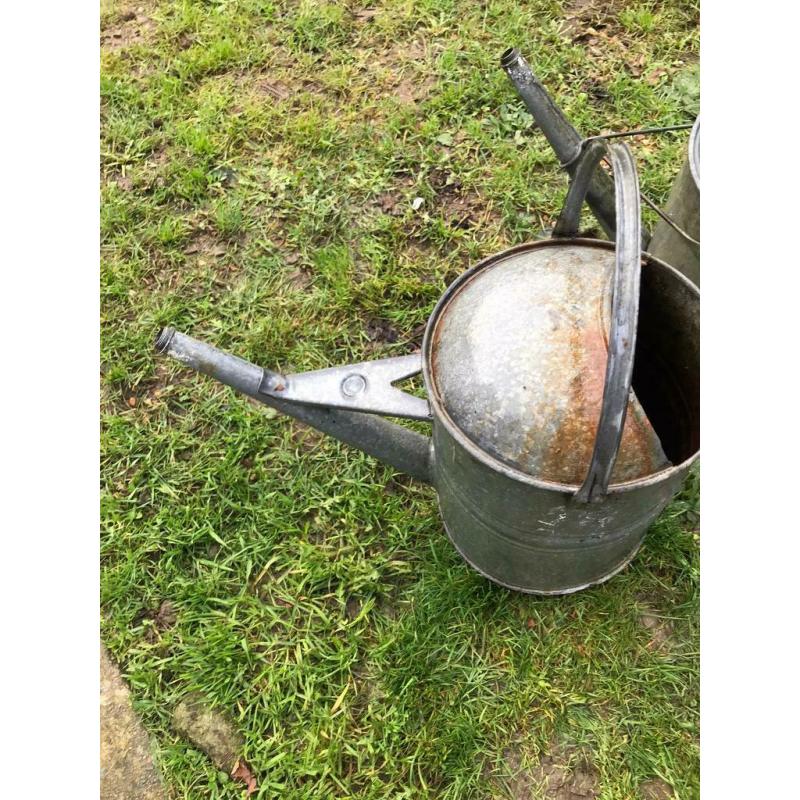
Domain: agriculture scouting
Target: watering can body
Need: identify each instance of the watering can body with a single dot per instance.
(529, 532)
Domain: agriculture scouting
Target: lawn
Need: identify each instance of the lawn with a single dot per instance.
(298, 182)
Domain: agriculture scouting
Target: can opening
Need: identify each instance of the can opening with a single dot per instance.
(666, 370)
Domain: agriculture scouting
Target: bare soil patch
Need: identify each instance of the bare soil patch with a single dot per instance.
(396, 200)
(595, 25)
(352, 608)
(209, 729)
(562, 774)
(381, 331)
(131, 27)
(464, 210)
(276, 89)
(203, 244)
(166, 616)
(212, 731)
(411, 91)
(365, 14)
(402, 71)
(265, 85)
(460, 207)
(301, 278)
(587, 19)
(659, 629)
(304, 436)
(206, 249)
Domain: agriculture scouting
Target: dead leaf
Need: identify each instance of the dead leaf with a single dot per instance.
(340, 699)
(387, 202)
(636, 64)
(166, 616)
(655, 76)
(301, 278)
(278, 90)
(241, 772)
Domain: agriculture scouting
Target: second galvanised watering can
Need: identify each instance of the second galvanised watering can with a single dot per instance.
(548, 465)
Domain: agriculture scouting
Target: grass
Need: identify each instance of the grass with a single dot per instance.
(260, 166)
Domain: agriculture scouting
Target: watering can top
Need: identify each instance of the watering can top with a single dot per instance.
(518, 361)
(518, 349)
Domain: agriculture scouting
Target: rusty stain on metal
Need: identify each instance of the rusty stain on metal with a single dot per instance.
(519, 362)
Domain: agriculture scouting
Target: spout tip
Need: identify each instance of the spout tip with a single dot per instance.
(163, 339)
(509, 57)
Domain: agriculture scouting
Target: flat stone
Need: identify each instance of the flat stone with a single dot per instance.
(127, 769)
(210, 730)
(656, 789)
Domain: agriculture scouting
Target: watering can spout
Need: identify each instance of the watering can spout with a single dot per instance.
(562, 137)
(343, 402)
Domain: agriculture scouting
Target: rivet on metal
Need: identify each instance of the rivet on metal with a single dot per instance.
(353, 385)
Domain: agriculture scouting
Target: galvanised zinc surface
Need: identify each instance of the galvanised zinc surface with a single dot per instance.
(539, 540)
(519, 356)
(531, 535)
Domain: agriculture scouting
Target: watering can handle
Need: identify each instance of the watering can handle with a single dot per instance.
(624, 304)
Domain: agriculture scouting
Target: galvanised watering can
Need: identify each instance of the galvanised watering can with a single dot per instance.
(562, 382)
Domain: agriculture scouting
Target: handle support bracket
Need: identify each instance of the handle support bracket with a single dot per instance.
(366, 386)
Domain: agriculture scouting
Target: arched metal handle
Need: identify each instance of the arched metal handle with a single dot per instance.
(624, 303)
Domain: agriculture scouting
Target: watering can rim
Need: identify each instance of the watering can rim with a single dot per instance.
(694, 152)
(440, 411)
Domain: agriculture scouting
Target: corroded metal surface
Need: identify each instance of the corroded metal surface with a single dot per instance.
(519, 357)
(531, 535)
(538, 540)
(683, 208)
(624, 313)
(528, 360)
(521, 531)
